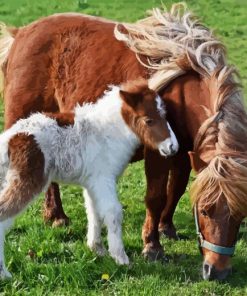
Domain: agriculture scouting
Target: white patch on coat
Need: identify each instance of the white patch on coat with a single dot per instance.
(161, 107)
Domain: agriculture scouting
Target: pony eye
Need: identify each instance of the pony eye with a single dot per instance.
(204, 213)
(149, 121)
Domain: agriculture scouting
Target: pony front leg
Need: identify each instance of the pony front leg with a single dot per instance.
(94, 240)
(110, 212)
(157, 171)
(178, 180)
(4, 226)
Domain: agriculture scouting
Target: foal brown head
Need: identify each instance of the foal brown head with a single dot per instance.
(145, 113)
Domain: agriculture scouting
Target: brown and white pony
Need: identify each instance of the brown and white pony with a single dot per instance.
(98, 142)
(55, 62)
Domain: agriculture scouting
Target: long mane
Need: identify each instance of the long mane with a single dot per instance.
(224, 135)
(164, 40)
(170, 42)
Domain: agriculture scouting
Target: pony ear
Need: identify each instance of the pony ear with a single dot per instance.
(130, 99)
(196, 162)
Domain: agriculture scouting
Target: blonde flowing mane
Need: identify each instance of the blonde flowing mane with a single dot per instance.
(164, 41)
(169, 43)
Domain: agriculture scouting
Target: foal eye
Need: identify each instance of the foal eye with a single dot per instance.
(204, 213)
(149, 121)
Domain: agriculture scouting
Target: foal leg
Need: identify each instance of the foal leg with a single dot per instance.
(109, 210)
(4, 226)
(94, 240)
(53, 209)
(178, 180)
(157, 171)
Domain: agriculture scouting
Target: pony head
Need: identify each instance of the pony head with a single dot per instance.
(145, 113)
(220, 160)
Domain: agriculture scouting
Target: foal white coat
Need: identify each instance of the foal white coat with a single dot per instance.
(92, 153)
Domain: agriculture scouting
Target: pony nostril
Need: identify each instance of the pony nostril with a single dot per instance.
(207, 271)
(171, 148)
(167, 148)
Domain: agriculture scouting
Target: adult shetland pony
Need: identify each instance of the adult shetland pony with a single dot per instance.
(53, 63)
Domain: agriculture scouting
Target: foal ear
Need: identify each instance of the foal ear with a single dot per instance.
(196, 162)
(130, 99)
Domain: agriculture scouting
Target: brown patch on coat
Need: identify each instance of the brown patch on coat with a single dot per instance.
(25, 175)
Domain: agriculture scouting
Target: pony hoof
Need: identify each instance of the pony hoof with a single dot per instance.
(154, 254)
(60, 222)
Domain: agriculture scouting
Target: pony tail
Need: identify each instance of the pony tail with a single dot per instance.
(6, 41)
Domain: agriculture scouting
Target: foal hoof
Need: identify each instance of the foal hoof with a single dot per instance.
(121, 259)
(5, 275)
(98, 248)
(154, 254)
(60, 222)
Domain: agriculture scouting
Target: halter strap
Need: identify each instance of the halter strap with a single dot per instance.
(207, 245)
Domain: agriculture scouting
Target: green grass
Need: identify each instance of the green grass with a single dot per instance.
(62, 264)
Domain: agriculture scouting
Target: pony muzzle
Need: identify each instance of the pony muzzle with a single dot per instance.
(209, 272)
(168, 148)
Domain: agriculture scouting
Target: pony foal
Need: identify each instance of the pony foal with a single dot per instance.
(90, 147)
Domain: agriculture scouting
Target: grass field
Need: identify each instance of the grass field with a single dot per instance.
(62, 264)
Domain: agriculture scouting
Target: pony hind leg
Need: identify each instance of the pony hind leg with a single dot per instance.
(53, 208)
(23, 181)
(94, 240)
(25, 176)
(4, 226)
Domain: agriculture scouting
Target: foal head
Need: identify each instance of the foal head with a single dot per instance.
(145, 113)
